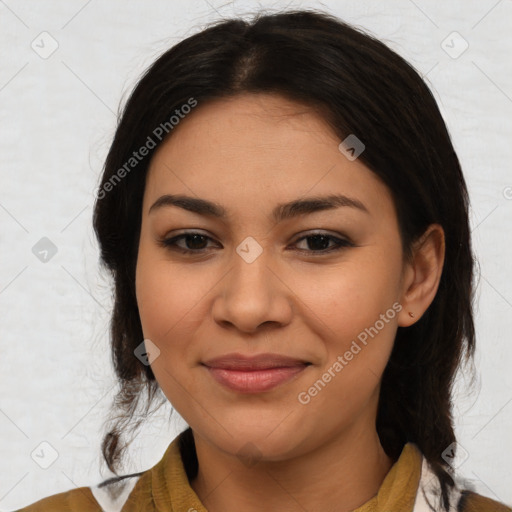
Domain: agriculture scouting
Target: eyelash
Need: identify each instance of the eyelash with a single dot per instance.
(170, 243)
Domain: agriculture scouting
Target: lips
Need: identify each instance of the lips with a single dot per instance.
(251, 363)
(254, 374)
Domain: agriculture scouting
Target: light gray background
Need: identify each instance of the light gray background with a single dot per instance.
(57, 121)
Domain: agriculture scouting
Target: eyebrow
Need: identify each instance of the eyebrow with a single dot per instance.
(281, 212)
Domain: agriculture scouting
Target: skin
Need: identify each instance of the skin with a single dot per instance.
(250, 153)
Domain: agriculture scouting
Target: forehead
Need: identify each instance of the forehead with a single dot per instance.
(251, 150)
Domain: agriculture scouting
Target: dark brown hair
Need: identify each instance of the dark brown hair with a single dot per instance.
(361, 87)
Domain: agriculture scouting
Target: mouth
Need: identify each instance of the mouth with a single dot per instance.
(254, 374)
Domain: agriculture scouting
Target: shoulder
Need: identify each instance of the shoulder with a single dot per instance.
(79, 499)
(127, 493)
(108, 496)
(472, 502)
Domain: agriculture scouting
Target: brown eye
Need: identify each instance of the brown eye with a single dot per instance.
(319, 243)
(194, 242)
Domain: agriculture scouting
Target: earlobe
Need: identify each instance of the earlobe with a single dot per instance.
(423, 275)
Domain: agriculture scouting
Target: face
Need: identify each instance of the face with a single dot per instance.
(320, 285)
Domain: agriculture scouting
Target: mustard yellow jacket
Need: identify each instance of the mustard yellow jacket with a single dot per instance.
(408, 487)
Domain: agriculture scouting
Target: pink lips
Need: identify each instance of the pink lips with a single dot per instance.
(254, 374)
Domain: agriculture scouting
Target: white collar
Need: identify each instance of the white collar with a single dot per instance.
(429, 491)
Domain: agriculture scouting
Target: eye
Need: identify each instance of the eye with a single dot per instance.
(196, 243)
(191, 238)
(320, 242)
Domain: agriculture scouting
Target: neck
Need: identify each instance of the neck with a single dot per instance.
(341, 474)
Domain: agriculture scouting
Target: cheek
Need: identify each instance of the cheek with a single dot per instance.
(350, 297)
(167, 296)
(169, 302)
(353, 313)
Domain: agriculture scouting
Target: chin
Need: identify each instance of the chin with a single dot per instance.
(253, 443)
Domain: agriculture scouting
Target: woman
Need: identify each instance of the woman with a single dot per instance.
(286, 223)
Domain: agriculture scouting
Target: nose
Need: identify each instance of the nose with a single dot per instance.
(252, 296)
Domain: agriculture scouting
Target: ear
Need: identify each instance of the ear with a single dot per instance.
(421, 277)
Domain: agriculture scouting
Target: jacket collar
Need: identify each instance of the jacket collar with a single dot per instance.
(172, 491)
